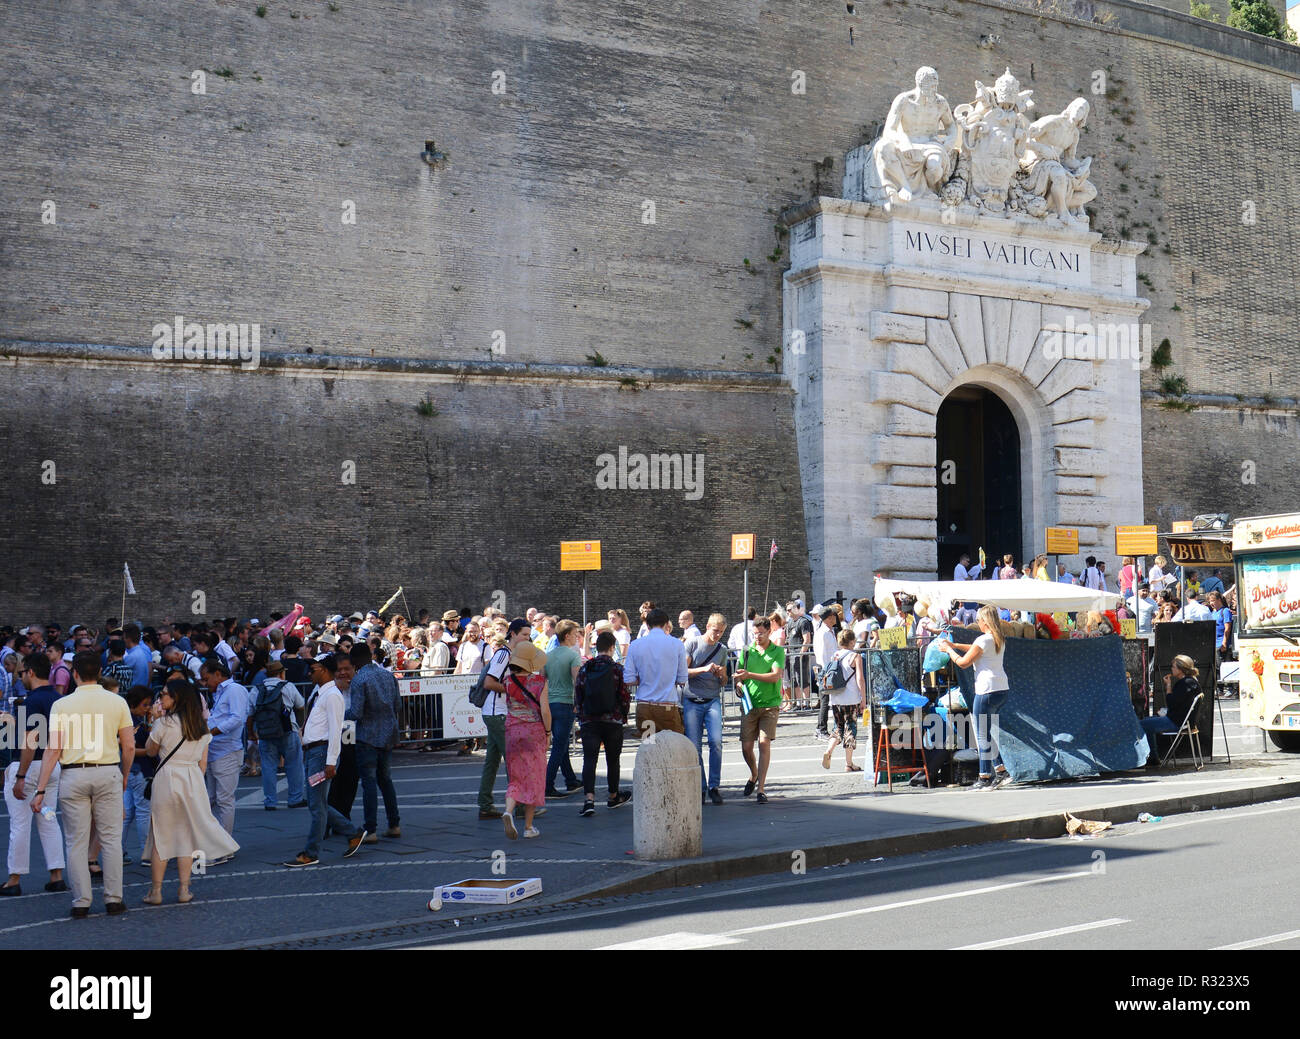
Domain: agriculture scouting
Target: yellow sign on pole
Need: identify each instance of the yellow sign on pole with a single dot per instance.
(1135, 541)
(1062, 541)
(579, 555)
(1182, 527)
(742, 546)
(1128, 628)
(893, 638)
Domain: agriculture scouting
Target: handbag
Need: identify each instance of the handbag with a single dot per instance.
(148, 783)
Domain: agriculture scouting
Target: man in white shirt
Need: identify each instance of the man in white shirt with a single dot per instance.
(322, 741)
(824, 647)
(494, 715)
(1146, 609)
(742, 634)
(1091, 577)
(656, 666)
(963, 571)
(1193, 610)
(686, 621)
(1101, 577)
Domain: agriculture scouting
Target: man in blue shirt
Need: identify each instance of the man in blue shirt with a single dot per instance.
(373, 703)
(137, 655)
(656, 666)
(34, 718)
(226, 751)
(1213, 583)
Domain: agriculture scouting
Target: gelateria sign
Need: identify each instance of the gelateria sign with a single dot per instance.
(965, 251)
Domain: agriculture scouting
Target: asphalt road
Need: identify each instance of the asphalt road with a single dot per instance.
(1216, 880)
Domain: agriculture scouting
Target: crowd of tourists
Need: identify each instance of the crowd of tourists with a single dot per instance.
(182, 710)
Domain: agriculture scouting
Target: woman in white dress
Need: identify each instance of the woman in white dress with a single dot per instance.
(181, 821)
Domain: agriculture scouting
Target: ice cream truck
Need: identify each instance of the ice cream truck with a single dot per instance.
(1266, 558)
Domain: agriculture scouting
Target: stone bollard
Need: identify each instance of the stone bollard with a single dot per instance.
(666, 798)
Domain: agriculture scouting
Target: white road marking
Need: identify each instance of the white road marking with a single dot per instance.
(1255, 943)
(801, 882)
(676, 942)
(907, 903)
(1000, 943)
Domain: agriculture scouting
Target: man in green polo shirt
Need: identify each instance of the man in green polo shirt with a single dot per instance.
(759, 677)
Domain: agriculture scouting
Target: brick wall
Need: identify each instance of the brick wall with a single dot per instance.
(227, 206)
(234, 485)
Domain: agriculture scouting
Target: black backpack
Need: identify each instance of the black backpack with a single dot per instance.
(600, 689)
(479, 693)
(270, 716)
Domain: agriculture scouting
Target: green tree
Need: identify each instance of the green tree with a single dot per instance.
(1204, 11)
(1259, 16)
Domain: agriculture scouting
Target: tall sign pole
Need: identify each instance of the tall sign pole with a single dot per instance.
(584, 556)
(742, 548)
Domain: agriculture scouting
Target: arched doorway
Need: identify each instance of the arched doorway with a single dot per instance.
(977, 455)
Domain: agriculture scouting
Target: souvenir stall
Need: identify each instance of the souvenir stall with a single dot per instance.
(1069, 713)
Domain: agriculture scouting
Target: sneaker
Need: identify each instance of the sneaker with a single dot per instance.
(532, 832)
(983, 783)
(575, 789)
(489, 813)
(393, 832)
(302, 859)
(299, 804)
(146, 862)
(115, 908)
(355, 842)
(563, 793)
(511, 830)
(1000, 779)
(762, 798)
(372, 837)
(80, 912)
(588, 809)
(619, 799)
(749, 787)
(715, 796)
(519, 812)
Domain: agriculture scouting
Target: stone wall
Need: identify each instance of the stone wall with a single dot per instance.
(227, 206)
(237, 485)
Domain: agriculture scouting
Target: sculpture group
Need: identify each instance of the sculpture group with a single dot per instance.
(988, 153)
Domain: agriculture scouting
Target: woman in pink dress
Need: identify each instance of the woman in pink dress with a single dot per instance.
(528, 732)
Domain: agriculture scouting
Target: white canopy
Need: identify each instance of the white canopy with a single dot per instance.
(1021, 593)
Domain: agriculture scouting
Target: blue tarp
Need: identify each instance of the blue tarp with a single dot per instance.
(1068, 713)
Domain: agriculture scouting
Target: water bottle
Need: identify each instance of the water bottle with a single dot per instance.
(1145, 817)
(48, 813)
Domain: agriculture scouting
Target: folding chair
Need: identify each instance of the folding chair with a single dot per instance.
(1189, 731)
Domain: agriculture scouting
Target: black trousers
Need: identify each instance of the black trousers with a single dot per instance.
(825, 706)
(593, 735)
(343, 788)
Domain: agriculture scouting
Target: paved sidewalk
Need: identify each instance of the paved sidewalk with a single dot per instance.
(828, 816)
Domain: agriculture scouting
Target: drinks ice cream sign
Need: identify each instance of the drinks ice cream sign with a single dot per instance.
(1274, 599)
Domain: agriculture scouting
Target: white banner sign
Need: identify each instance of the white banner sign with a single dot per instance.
(460, 718)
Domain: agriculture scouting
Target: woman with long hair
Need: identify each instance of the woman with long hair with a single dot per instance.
(181, 822)
(991, 691)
